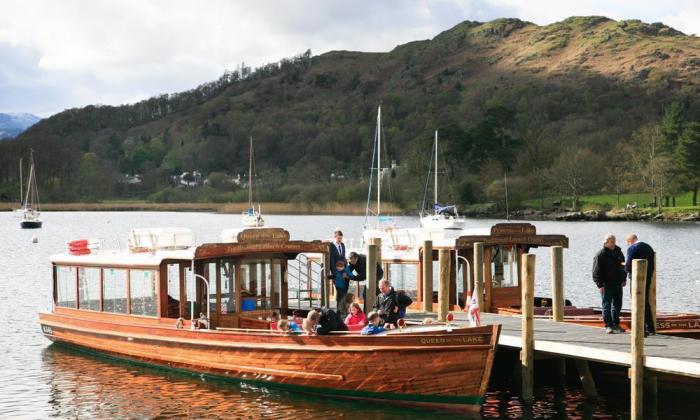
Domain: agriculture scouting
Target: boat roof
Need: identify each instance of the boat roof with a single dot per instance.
(243, 242)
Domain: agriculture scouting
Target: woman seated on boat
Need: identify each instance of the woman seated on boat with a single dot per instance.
(288, 327)
(356, 319)
(373, 327)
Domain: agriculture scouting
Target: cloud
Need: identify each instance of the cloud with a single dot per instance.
(57, 55)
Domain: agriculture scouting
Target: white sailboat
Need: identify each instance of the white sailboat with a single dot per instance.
(30, 211)
(251, 217)
(444, 217)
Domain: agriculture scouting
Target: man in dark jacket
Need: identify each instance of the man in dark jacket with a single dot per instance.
(387, 304)
(358, 264)
(336, 250)
(641, 251)
(609, 276)
(329, 321)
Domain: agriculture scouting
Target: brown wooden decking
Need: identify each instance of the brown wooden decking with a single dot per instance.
(674, 355)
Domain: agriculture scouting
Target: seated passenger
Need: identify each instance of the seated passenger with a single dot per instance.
(200, 323)
(180, 323)
(288, 327)
(344, 305)
(310, 323)
(296, 317)
(373, 327)
(356, 319)
(329, 321)
(387, 304)
(274, 319)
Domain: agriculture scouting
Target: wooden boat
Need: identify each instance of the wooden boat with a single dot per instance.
(504, 245)
(127, 304)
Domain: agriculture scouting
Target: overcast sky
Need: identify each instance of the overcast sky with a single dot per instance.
(63, 54)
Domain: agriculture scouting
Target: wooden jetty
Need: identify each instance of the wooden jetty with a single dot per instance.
(663, 354)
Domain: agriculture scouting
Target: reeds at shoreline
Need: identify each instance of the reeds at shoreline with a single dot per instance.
(267, 208)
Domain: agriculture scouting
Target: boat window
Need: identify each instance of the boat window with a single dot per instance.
(228, 280)
(89, 288)
(142, 284)
(173, 290)
(255, 286)
(65, 287)
(210, 275)
(403, 277)
(114, 290)
(277, 279)
(504, 266)
(191, 306)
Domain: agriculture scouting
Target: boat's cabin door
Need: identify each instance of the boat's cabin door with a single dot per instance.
(242, 287)
(502, 276)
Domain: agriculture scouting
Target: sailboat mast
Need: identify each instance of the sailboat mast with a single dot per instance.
(31, 175)
(436, 170)
(250, 174)
(379, 160)
(21, 186)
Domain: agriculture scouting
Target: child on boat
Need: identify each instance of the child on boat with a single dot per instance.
(373, 327)
(356, 319)
(296, 317)
(274, 319)
(344, 305)
(288, 327)
(310, 323)
(341, 280)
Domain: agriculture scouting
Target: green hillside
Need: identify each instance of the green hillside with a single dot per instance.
(537, 102)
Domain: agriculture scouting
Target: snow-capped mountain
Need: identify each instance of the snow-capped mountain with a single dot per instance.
(11, 125)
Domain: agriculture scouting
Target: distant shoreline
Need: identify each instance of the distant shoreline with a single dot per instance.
(332, 208)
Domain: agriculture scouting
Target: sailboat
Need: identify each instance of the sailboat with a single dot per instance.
(251, 217)
(30, 211)
(382, 221)
(444, 217)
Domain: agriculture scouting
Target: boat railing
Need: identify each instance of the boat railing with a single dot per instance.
(307, 274)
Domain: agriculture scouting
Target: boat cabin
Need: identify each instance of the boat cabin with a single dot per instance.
(504, 244)
(163, 276)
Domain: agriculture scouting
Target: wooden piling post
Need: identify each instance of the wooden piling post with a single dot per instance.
(652, 292)
(444, 285)
(378, 243)
(557, 283)
(639, 274)
(479, 274)
(584, 373)
(527, 355)
(427, 276)
(558, 298)
(370, 296)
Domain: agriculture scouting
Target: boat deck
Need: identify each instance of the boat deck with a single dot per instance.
(668, 354)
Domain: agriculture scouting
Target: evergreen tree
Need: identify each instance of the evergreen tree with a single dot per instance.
(689, 156)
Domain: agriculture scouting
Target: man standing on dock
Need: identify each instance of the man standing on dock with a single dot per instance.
(609, 276)
(639, 250)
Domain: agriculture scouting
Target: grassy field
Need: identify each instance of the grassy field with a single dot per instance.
(609, 201)
(267, 208)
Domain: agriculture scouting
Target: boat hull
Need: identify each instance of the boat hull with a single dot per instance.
(30, 224)
(432, 369)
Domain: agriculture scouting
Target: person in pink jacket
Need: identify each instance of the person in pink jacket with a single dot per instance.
(356, 319)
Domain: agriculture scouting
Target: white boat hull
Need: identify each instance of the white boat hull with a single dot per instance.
(443, 222)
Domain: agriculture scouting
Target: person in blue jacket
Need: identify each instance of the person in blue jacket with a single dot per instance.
(373, 326)
(341, 280)
(639, 250)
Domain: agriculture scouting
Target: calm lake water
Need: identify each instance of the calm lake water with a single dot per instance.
(39, 380)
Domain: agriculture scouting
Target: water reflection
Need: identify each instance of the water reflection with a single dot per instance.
(84, 385)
